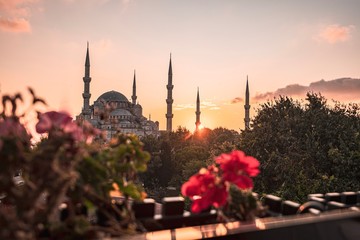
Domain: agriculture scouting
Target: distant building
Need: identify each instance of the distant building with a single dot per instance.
(112, 112)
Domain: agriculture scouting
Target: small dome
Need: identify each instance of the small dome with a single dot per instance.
(120, 112)
(113, 96)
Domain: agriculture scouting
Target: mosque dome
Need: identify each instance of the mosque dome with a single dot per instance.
(120, 112)
(113, 96)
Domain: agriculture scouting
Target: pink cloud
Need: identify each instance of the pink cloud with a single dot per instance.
(237, 100)
(15, 25)
(16, 7)
(290, 90)
(13, 14)
(335, 33)
(342, 89)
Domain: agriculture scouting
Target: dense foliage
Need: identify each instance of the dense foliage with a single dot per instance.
(306, 147)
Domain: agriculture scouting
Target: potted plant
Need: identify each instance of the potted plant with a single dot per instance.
(65, 169)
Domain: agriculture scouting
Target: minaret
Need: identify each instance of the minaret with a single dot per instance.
(197, 123)
(169, 115)
(86, 112)
(134, 97)
(247, 106)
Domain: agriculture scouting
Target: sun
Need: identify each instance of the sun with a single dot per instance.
(199, 128)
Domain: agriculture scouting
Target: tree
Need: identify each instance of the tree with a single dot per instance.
(178, 155)
(304, 148)
(188, 161)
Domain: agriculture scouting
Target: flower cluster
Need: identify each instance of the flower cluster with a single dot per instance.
(210, 187)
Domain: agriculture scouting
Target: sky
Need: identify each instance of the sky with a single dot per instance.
(283, 47)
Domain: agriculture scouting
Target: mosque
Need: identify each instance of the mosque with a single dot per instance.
(112, 112)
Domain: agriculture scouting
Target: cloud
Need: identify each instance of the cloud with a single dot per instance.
(203, 105)
(209, 105)
(344, 89)
(15, 25)
(13, 14)
(14, 7)
(97, 2)
(179, 107)
(335, 33)
(237, 100)
(340, 86)
(290, 90)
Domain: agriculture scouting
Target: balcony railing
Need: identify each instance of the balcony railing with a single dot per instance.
(323, 216)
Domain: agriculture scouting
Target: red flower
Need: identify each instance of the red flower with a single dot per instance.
(209, 187)
(238, 168)
(214, 196)
(205, 190)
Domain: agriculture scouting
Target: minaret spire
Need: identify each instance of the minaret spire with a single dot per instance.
(86, 112)
(170, 66)
(134, 97)
(87, 60)
(169, 115)
(247, 105)
(197, 123)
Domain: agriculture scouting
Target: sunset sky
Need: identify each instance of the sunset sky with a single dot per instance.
(285, 47)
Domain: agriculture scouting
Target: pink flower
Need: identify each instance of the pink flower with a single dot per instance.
(60, 122)
(73, 129)
(205, 190)
(89, 132)
(52, 119)
(238, 168)
(12, 127)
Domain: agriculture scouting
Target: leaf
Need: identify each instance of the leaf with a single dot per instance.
(5, 98)
(131, 190)
(31, 91)
(36, 100)
(18, 96)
